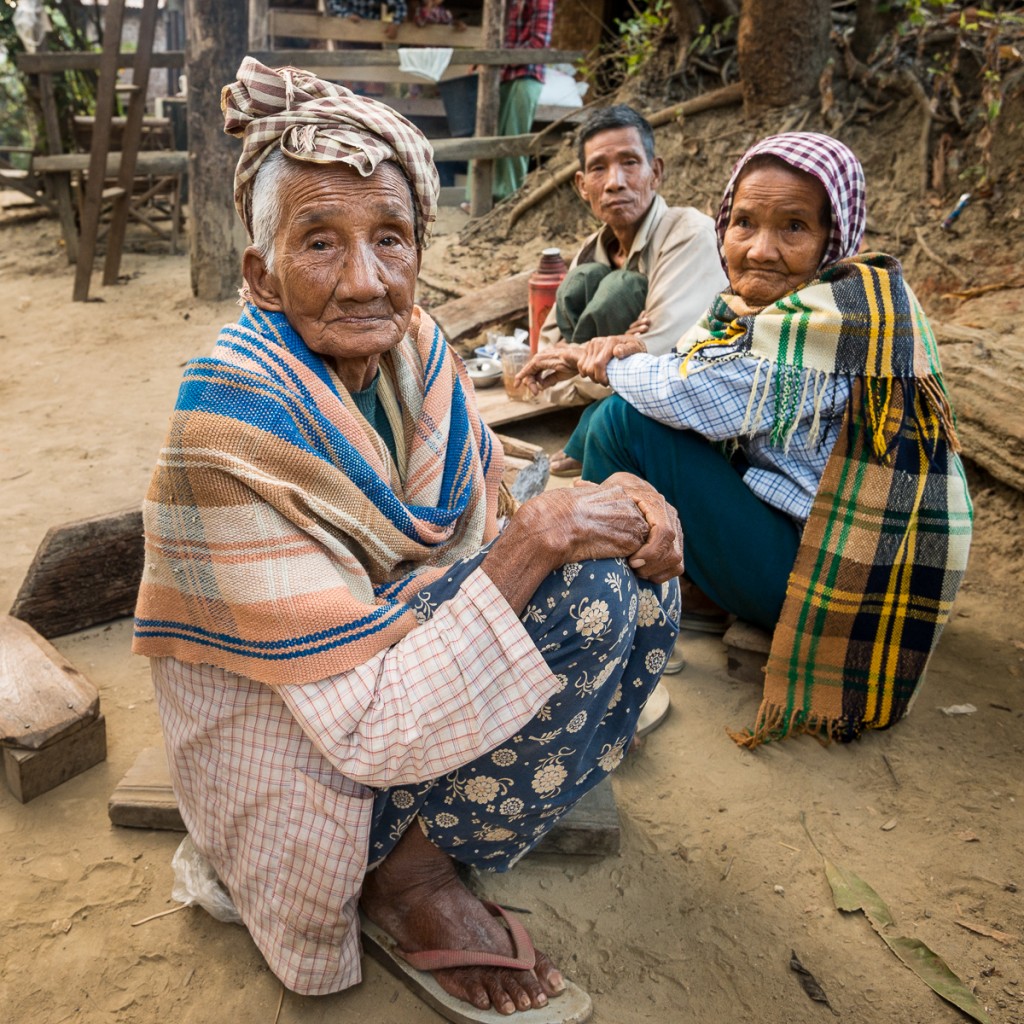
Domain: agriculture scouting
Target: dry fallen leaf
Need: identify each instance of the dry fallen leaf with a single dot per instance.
(61, 925)
(889, 825)
(993, 933)
(967, 836)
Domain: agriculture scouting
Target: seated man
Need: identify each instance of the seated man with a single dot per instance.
(648, 258)
(363, 676)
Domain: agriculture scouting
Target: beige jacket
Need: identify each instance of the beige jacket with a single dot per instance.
(676, 249)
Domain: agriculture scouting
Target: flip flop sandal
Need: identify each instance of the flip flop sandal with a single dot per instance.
(654, 712)
(573, 1006)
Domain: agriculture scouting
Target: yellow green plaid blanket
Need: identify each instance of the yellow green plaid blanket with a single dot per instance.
(885, 547)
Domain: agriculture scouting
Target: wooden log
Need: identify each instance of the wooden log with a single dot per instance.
(465, 317)
(42, 695)
(83, 573)
(30, 773)
(144, 797)
(987, 393)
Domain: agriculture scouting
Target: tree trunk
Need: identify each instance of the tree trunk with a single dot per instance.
(873, 23)
(782, 47)
(217, 38)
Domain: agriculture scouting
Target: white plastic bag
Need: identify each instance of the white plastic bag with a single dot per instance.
(195, 881)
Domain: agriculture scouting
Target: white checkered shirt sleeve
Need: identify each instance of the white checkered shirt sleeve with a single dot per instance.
(714, 401)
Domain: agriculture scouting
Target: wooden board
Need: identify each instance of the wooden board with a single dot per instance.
(497, 303)
(30, 773)
(497, 408)
(42, 695)
(84, 573)
(311, 25)
(590, 829)
(144, 799)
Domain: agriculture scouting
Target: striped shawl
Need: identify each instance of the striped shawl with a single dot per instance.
(280, 543)
(885, 546)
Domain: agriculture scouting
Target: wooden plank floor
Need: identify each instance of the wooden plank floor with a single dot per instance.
(497, 408)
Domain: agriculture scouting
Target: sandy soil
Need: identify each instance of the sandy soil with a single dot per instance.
(717, 881)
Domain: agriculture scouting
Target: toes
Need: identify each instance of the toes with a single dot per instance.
(550, 977)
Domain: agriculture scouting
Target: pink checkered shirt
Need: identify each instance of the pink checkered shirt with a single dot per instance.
(274, 782)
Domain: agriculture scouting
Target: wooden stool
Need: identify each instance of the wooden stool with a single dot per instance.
(51, 728)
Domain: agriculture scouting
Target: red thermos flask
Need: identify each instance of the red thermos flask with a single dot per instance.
(542, 285)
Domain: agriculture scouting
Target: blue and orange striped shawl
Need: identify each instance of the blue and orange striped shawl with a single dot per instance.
(885, 546)
(279, 545)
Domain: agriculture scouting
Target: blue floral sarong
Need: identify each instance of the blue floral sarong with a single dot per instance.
(606, 636)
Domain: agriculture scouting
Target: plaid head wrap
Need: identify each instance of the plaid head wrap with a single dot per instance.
(834, 165)
(322, 123)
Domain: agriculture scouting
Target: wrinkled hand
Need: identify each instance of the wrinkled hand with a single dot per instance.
(661, 556)
(573, 524)
(597, 353)
(548, 367)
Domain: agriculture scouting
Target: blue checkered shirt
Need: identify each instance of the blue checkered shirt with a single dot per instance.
(713, 401)
(369, 9)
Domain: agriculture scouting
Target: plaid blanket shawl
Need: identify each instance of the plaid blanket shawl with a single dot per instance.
(280, 543)
(885, 546)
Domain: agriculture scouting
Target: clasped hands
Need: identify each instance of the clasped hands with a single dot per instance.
(623, 517)
(590, 359)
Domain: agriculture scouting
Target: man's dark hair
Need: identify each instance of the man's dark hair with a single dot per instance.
(608, 119)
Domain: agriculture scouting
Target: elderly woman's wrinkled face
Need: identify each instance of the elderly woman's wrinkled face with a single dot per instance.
(345, 262)
(777, 233)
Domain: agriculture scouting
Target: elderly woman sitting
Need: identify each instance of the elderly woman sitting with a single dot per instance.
(362, 677)
(803, 433)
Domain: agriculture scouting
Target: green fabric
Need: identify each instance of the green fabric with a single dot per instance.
(517, 105)
(369, 404)
(596, 300)
(737, 549)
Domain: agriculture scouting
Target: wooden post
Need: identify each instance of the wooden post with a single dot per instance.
(106, 100)
(60, 183)
(218, 35)
(258, 25)
(482, 171)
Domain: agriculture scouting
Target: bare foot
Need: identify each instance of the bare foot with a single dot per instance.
(565, 465)
(417, 898)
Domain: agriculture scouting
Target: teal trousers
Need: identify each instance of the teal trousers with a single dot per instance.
(737, 549)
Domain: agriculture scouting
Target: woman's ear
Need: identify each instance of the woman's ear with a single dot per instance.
(262, 282)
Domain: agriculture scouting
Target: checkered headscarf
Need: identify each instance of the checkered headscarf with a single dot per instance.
(834, 165)
(322, 123)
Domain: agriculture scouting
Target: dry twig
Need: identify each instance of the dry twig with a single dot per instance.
(936, 258)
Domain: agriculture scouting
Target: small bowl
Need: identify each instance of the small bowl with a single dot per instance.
(483, 372)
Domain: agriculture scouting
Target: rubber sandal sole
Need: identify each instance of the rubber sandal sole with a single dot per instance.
(573, 1006)
(655, 711)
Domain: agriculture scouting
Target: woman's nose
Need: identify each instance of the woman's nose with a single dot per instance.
(359, 277)
(763, 246)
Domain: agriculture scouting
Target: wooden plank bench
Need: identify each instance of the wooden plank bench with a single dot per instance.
(144, 798)
(51, 728)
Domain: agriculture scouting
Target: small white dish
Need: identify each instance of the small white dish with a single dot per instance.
(483, 372)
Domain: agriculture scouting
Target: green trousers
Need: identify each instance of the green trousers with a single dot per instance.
(518, 104)
(594, 301)
(737, 549)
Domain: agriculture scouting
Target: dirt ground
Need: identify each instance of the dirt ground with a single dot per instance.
(718, 879)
